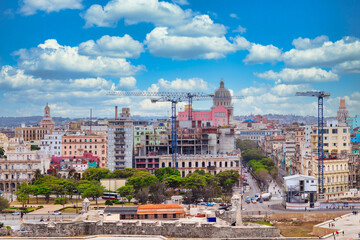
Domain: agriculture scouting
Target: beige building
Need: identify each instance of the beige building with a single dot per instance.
(209, 163)
(3, 141)
(336, 139)
(78, 144)
(336, 177)
(46, 126)
(20, 165)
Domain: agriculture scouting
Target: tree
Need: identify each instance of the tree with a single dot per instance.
(162, 173)
(194, 180)
(72, 174)
(252, 154)
(245, 144)
(142, 195)
(45, 191)
(2, 152)
(129, 197)
(126, 172)
(94, 190)
(173, 181)
(96, 174)
(126, 190)
(141, 180)
(262, 175)
(23, 194)
(158, 193)
(4, 203)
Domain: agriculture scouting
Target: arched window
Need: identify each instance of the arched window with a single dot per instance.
(183, 164)
(163, 165)
(196, 164)
(203, 164)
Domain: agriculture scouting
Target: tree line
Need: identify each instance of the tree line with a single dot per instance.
(140, 185)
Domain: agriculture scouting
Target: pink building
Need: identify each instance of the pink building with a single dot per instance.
(218, 116)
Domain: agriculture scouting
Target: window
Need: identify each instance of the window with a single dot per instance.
(155, 216)
(174, 215)
(334, 131)
(344, 144)
(146, 216)
(164, 215)
(344, 130)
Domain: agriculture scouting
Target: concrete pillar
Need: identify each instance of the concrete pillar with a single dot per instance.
(236, 202)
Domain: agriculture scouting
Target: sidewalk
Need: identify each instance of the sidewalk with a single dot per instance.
(350, 224)
(49, 209)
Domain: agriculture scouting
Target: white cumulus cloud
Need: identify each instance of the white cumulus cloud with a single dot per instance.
(326, 55)
(240, 29)
(135, 11)
(161, 44)
(307, 43)
(347, 67)
(192, 84)
(260, 54)
(30, 7)
(304, 75)
(127, 82)
(121, 47)
(51, 60)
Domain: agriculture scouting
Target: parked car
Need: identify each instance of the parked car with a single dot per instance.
(57, 213)
(254, 201)
(16, 213)
(248, 200)
(260, 200)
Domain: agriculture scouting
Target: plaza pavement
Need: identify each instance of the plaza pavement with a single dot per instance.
(349, 224)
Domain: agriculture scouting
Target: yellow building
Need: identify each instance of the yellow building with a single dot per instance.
(336, 177)
(336, 139)
(3, 141)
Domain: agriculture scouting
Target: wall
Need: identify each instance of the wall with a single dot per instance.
(168, 228)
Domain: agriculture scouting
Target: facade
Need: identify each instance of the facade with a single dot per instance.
(212, 164)
(336, 177)
(160, 211)
(78, 144)
(46, 126)
(51, 144)
(336, 139)
(20, 166)
(353, 123)
(120, 139)
(3, 141)
(256, 135)
(355, 138)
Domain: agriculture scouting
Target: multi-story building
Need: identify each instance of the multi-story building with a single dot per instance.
(3, 141)
(51, 144)
(336, 139)
(77, 144)
(20, 165)
(256, 135)
(221, 113)
(46, 126)
(212, 164)
(120, 140)
(336, 177)
(353, 123)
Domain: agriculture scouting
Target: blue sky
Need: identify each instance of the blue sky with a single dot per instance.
(69, 53)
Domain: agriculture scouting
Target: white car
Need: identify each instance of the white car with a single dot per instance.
(57, 213)
(16, 213)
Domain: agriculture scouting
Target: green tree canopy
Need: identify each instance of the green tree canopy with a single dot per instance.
(162, 173)
(252, 154)
(96, 173)
(126, 190)
(173, 181)
(141, 180)
(126, 172)
(245, 144)
(194, 180)
(4, 203)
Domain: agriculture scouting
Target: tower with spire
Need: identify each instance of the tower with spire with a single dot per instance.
(342, 113)
(47, 121)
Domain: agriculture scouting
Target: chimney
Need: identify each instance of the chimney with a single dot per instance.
(116, 113)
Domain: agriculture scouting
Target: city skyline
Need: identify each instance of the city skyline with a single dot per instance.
(70, 53)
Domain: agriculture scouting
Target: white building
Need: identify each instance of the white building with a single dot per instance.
(51, 144)
(300, 192)
(120, 141)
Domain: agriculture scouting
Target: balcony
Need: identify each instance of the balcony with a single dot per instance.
(211, 168)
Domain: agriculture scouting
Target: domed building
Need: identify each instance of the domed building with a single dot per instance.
(222, 97)
(220, 114)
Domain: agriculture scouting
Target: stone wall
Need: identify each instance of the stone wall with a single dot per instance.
(165, 228)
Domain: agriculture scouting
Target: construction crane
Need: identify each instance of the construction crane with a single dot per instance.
(174, 98)
(320, 95)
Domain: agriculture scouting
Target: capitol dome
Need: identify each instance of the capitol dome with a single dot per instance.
(222, 96)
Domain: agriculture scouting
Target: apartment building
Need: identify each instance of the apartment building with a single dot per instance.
(51, 144)
(20, 165)
(120, 138)
(336, 177)
(3, 141)
(73, 145)
(336, 139)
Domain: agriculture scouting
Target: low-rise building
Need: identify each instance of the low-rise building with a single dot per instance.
(160, 211)
(20, 166)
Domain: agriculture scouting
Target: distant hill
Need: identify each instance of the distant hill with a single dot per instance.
(34, 120)
(285, 118)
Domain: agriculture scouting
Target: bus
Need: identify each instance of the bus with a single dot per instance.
(111, 196)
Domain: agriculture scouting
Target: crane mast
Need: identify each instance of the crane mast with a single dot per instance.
(320, 95)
